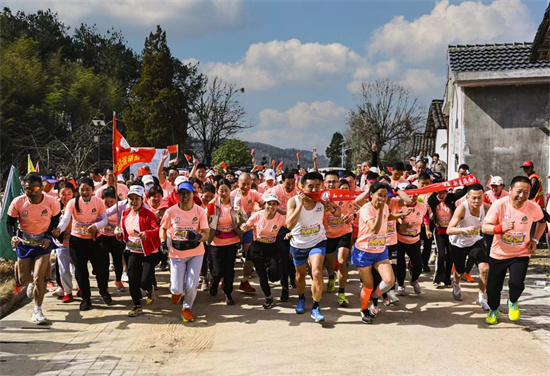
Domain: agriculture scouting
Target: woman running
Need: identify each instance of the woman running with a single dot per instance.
(88, 216)
(224, 237)
(184, 228)
(141, 234)
(264, 251)
(109, 241)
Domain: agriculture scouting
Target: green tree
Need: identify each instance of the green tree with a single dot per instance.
(334, 150)
(233, 152)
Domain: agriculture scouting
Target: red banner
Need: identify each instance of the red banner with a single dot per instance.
(124, 155)
(173, 149)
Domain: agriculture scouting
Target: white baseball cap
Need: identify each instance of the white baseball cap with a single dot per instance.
(210, 173)
(374, 169)
(147, 179)
(270, 174)
(270, 197)
(403, 186)
(136, 190)
(120, 178)
(179, 180)
(496, 180)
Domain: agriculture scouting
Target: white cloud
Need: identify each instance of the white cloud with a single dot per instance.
(426, 38)
(424, 83)
(277, 63)
(366, 72)
(304, 126)
(181, 19)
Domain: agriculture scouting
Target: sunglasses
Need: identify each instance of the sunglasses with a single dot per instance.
(32, 189)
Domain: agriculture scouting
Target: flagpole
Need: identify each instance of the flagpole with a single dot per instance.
(116, 176)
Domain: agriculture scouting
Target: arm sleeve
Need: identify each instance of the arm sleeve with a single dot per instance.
(65, 219)
(11, 225)
(102, 221)
(54, 221)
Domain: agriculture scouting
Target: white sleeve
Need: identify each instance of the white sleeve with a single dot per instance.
(102, 221)
(64, 222)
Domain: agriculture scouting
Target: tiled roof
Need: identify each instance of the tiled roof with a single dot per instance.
(436, 113)
(492, 57)
(539, 50)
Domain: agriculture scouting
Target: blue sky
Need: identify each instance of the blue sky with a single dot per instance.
(302, 61)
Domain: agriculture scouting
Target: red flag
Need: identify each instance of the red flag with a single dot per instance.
(487, 185)
(173, 149)
(280, 166)
(73, 183)
(124, 155)
(390, 169)
(252, 152)
(223, 165)
(189, 158)
(37, 167)
(273, 163)
(298, 155)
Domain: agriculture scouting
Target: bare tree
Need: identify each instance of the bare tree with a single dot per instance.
(217, 116)
(386, 114)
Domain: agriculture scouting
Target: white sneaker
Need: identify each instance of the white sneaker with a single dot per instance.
(30, 289)
(39, 318)
(59, 292)
(124, 277)
(112, 268)
(401, 291)
(482, 301)
(393, 297)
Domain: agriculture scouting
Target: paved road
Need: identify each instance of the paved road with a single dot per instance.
(425, 334)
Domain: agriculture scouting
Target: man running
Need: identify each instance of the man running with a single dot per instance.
(308, 241)
(466, 240)
(510, 219)
(38, 214)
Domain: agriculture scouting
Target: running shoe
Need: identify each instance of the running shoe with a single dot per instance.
(416, 287)
(342, 300)
(268, 303)
(492, 317)
(67, 298)
(246, 288)
(112, 267)
(229, 300)
(30, 288)
(457, 291)
(186, 315)
(120, 286)
(59, 292)
(39, 318)
(483, 302)
(124, 277)
(401, 291)
(513, 311)
(284, 295)
(205, 285)
(85, 305)
(150, 297)
(106, 298)
(300, 307)
(439, 285)
(365, 316)
(392, 295)
(330, 285)
(164, 267)
(316, 314)
(426, 269)
(387, 301)
(176, 299)
(214, 290)
(136, 311)
(468, 277)
(373, 308)
(51, 286)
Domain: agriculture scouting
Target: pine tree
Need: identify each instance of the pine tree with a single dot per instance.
(333, 151)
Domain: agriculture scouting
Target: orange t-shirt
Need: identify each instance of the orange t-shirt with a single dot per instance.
(34, 218)
(263, 187)
(391, 234)
(87, 216)
(248, 201)
(409, 230)
(122, 191)
(489, 197)
(335, 226)
(283, 195)
(134, 243)
(265, 230)
(514, 243)
(167, 188)
(225, 228)
(395, 183)
(367, 241)
(176, 221)
(444, 215)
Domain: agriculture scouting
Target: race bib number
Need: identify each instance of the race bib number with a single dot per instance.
(310, 230)
(390, 229)
(516, 239)
(376, 243)
(473, 233)
(412, 232)
(31, 239)
(109, 229)
(443, 222)
(267, 240)
(81, 228)
(180, 233)
(134, 244)
(334, 222)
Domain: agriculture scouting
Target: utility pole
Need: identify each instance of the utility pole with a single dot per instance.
(343, 155)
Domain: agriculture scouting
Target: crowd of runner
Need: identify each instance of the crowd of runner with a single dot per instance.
(196, 223)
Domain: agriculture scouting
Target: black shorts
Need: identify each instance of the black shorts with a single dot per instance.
(344, 241)
(478, 252)
(392, 251)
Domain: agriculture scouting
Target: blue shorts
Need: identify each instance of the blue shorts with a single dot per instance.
(300, 255)
(26, 251)
(362, 259)
(248, 237)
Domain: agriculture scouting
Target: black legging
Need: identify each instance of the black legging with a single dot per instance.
(287, 266)
(206, 261)
(516, 280)
(141, 273)
(82, 251)
(426, 246)
(444, 264)
(413, 251)
(223, 259)
(115, 248)
(267, 263)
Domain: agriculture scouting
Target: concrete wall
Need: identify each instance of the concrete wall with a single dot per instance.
(501, 130)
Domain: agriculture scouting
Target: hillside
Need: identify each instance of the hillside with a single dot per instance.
(288, 156)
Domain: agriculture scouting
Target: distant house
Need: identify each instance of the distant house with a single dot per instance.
(435, 133)
(498, 105)
(540, 50)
